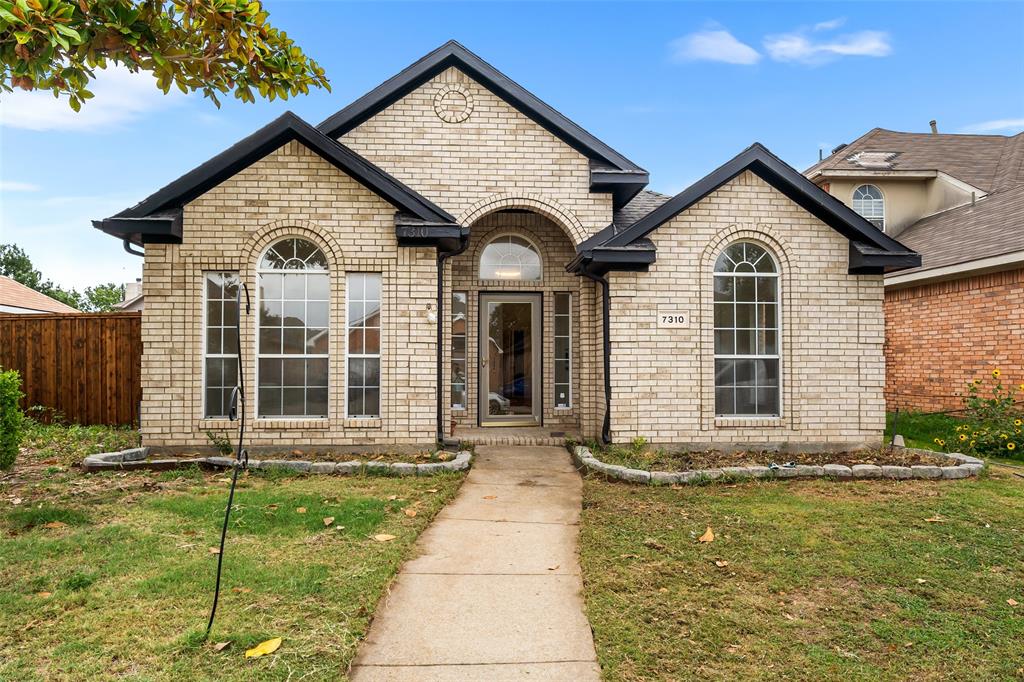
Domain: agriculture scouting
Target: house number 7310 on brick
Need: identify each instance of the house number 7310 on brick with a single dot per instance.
(668, 317)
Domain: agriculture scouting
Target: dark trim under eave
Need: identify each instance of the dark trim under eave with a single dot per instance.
(867, 261)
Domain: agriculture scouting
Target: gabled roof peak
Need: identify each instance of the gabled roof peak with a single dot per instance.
(453, 53)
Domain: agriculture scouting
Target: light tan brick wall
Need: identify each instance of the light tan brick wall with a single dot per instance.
(556, 251)
(291, 192)
(495, 158)
(832, 330)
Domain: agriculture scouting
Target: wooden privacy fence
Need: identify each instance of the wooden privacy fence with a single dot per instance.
(87, 366)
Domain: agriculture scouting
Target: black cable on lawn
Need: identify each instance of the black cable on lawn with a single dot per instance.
(241, 456)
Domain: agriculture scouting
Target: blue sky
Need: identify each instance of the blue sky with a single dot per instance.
(677, 87)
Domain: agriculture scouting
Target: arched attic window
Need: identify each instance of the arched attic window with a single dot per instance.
(869, 203)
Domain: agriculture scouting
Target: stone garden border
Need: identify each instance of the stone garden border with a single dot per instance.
(137, 458)
(962, 466)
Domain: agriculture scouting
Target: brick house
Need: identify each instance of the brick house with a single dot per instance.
(449, 257)
(958, 200)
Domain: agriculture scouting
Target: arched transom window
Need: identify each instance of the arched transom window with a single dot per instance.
(747, 318)
(292, 365)
(868, 202)
(510, 257)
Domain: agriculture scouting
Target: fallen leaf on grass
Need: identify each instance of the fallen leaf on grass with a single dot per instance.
(47, 595)
(410, 513)
(708, 536)
(383, 537)
(221, 646)
(242, 590)
(935, 519)
(431, 490)
(54, 524)
(272, 506)
(555, 567)
(328, 520)
(213, 550)
(662, 589)
(264, 648)
(722, 563)
(16, 501)
(300, 510)
(490, 497)
(788, 617)
(920, 581)
(1012, 602)
(392, 497)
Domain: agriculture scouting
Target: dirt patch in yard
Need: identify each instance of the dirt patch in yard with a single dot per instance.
(660, 460)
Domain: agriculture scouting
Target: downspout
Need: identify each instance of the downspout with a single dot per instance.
(129, 249)
(606, 428)
(442, 256)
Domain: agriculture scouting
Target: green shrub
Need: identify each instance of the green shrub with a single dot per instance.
(993, 424)
(11, 417)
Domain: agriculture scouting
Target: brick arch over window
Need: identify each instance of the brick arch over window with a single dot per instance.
(548, 208)
(279, 229)
(783, 254)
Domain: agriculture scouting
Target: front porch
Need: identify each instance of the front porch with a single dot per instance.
(514, 435)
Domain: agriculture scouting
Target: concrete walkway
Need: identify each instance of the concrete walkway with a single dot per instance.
(495, 593)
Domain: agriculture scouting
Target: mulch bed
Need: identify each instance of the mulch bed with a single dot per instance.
(713, 459)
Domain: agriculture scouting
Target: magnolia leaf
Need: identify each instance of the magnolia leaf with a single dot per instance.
(721, 563)
(47, 595)
(221, 646)
(328, 520)
(242, 590)
(300, 510)
(214, 550)
(410, 513)
(490, 497)
(1011, 602)
(653, 544)
(431, 490)
(708, 536)
(920, 581)
(54, 524)
(264, 648)
(383, 537)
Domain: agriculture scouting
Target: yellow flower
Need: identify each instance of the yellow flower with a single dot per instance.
(1011, 446)
(996, 373)
(971, 443)
(963, 436)
(978, 381)
(1003, 436)
(1021, 387)
(1017, 422)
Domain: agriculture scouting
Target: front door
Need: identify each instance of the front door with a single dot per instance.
(510, 359)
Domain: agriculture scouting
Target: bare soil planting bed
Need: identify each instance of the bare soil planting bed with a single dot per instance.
(660, 460)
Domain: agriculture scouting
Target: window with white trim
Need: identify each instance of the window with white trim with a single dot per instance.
(293, 331)
(220, 341)
(869, 203)
(510, 257)
(362, 321)
(746, 301)
(460, 312)
(563, 350)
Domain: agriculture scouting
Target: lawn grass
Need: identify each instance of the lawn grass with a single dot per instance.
(119, 584)
(920, 430)
(824, 580)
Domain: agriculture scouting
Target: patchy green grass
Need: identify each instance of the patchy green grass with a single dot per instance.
(867, 580)
(920, 430)
(119, 585)
(69, 444)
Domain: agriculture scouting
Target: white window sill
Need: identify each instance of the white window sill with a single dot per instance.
(748, 422)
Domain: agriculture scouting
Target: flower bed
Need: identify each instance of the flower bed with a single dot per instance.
(947, 466)
(138, 458)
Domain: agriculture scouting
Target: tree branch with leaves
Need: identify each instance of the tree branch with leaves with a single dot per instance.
(211, 46)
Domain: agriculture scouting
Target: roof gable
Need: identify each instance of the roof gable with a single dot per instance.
(17, 295)
(610, 172)
(158, 217)
(866, 240)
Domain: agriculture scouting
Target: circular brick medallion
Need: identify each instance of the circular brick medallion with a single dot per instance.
(453, 104)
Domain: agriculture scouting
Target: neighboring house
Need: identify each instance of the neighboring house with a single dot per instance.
(449, 252)
(133, 300)
(958, 200)
(18, 299)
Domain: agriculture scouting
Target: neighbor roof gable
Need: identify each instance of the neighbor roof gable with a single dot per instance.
(157, 218)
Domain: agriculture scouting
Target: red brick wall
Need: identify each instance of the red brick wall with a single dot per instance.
(940, 336)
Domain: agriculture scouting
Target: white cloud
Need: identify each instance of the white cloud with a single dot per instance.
(798, 47)
(713, 45)
(14, 186)
(121, 97)
(829, 25)
(995, 126)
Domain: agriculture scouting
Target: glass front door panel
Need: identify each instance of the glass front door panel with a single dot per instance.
(510, 359)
